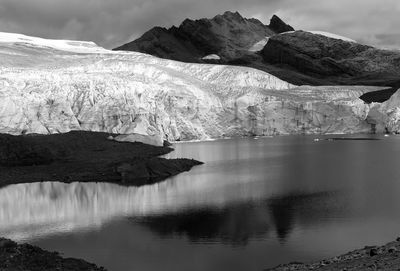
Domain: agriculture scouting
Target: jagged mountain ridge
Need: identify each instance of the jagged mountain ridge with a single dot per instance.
(263, 49)
(229, 36)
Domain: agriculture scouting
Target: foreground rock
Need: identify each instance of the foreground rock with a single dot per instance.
(385, 258)
(84, 157)
(24, 257)
(154, 140)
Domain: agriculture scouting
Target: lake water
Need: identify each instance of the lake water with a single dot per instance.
(256, 203)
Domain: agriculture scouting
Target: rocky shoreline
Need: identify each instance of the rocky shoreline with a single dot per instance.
(385, 258)
(76, 156)
(21, 257)
(80, 156)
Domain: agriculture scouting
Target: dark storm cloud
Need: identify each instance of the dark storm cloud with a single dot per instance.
(113, 22)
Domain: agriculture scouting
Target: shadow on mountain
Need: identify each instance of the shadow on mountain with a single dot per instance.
(237, 224)
(297, 57)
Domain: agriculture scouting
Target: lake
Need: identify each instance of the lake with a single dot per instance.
(254, 204)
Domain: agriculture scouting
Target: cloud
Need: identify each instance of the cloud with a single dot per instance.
(111, 23)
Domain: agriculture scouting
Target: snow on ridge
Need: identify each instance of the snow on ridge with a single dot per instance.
(331, 35)
(324, 33)
(64, 45)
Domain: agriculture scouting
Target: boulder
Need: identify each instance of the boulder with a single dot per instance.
(154, 140)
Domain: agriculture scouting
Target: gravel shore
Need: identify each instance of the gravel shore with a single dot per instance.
(25, 257)
(385, 258)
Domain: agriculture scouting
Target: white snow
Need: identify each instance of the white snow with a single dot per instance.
(212, 57)
(331, 35)
(258, 46)
(64, 45)
(324, 33)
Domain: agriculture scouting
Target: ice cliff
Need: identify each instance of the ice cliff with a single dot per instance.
(57, 86)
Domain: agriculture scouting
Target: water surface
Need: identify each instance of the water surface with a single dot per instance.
(255, 203)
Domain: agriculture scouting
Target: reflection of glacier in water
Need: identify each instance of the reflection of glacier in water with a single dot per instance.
(29, 211)
(36, 209)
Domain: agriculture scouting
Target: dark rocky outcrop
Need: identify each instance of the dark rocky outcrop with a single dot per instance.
(81, 156)
(279, 26)
(322, 56)
(21, 257)
(228, 35)
(385, 258)
(316, 59)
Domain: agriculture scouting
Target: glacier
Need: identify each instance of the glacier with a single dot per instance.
(50, 86)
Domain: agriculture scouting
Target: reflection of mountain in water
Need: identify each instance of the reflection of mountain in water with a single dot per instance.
(237, 224)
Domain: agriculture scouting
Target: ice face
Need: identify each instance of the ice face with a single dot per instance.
(45, 89)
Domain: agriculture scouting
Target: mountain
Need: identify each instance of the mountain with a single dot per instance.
(332, 60)
(314, 57)
(279, 26)
(228, 36)
(49, 86)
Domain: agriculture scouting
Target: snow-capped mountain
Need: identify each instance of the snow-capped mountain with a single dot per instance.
(315, 58)
(229, 36)
(58, 86)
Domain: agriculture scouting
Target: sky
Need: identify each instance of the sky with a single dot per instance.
(111, 23)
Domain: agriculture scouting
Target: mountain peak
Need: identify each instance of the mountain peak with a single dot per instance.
(228, 35)
(230, 14)
(279, 26)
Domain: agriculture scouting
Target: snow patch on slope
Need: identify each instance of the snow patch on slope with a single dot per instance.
(64, 45)
(331, 35)
(258, 46)
(326, 34)
(212, 57)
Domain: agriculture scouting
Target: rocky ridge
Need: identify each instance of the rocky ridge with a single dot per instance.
(229, 36)
(333, 60)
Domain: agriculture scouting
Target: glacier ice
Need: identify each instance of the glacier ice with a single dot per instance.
(49, 86)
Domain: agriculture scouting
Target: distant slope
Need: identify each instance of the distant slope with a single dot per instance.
(330, 59)
(229, 36)
(63, 45)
